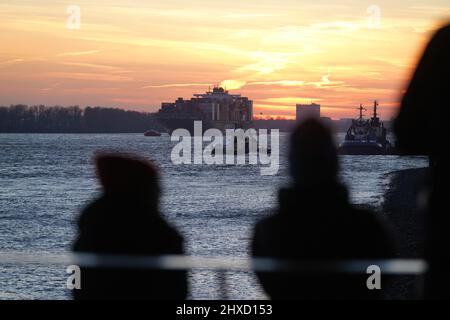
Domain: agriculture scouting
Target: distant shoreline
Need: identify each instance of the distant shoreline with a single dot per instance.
(80, 132)
(101, 120)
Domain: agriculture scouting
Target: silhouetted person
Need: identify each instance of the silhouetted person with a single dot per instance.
(316, 222)
(125, 220)
(422, 128)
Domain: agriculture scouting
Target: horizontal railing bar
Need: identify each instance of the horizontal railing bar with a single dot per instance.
(227, 263)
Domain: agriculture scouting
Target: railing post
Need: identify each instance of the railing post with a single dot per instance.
(222, 284)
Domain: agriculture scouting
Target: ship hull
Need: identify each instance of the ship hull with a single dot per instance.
(172, 124)
(364, 148)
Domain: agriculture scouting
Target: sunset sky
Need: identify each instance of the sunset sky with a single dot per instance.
(136, 54)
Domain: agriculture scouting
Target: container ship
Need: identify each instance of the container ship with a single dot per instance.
(366, 136)
(216, 108)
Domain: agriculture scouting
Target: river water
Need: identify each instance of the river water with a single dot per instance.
(46, 179)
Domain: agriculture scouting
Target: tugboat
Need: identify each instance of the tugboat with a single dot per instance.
(152, 133)
(366, 136)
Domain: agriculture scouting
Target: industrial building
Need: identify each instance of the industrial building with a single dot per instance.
(307, 111)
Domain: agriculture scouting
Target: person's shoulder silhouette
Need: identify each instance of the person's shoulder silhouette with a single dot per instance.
(315, 221)
(421, 127)
(125, 220)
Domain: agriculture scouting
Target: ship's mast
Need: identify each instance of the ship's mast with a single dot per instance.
(361, 109)
(375, 105)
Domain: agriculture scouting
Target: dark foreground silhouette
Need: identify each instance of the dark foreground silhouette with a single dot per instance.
(125, 220)
(316, 222)
(422, 128)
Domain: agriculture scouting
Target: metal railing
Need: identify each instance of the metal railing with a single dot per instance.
(218, 264)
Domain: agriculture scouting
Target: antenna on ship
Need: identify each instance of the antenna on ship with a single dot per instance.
(375, 105)
(361, 109)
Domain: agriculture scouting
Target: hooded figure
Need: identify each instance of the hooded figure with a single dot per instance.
(125, 220)
(315, 221)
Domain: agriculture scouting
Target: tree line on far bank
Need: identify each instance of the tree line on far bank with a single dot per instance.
(57, 119)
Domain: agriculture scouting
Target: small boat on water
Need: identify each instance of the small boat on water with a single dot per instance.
(366, 136)
(152, 133)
